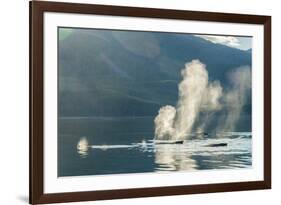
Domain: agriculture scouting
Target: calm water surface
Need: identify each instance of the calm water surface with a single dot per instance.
(125, 145)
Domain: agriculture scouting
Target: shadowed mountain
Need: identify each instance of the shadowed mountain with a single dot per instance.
(119, 73)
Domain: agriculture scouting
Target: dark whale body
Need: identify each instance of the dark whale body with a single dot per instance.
(170, 142)
(217, 145)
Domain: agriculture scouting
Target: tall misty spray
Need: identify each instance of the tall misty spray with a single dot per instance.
(198, 95)
(235, 99)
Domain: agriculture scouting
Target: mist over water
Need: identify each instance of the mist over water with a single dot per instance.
(98, 145)
(200, 96)
(235, 99)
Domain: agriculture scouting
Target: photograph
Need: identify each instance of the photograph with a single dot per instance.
(129, 102)
(152, 102)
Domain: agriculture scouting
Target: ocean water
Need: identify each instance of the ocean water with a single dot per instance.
(99, 146)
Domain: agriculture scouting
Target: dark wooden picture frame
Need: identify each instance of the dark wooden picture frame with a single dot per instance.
(37, 9)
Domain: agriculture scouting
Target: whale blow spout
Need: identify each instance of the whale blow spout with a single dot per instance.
(83, 147)
(196, 94)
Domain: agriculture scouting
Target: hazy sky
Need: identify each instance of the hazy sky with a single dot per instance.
(242, 43)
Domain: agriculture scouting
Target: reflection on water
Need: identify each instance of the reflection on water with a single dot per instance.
(114, 146)
(172, 157)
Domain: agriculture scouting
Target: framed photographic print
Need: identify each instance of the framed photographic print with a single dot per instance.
(138, 102)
